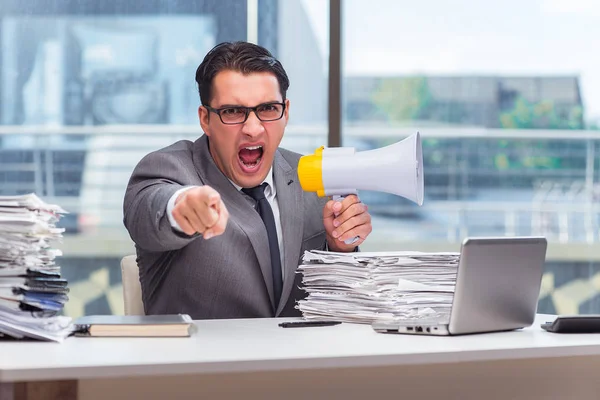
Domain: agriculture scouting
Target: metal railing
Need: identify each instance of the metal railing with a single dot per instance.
(86, 169)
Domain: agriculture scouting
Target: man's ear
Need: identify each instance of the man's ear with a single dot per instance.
(286, 113)
(203, 115)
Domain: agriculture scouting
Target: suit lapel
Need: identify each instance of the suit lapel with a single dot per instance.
(289, 199)
(241, 210)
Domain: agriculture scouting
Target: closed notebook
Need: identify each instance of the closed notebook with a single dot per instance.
(172, 325)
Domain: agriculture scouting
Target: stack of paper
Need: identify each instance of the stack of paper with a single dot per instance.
(32, 292)
(365, 287)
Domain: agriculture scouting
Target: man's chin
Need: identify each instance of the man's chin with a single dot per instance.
(251, 178)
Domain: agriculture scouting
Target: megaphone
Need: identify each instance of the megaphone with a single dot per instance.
(340, 171)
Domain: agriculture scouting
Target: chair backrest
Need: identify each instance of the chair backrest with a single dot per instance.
(132, 289)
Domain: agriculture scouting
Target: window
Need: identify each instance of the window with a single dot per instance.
(88, 88)
(504, 96)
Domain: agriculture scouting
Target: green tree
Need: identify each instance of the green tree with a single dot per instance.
(403, 99)
(540, 115)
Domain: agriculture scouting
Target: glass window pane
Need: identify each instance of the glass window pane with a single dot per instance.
(88, 88)
(505, 97)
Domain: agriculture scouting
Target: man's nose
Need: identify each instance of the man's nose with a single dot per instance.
(253, 126)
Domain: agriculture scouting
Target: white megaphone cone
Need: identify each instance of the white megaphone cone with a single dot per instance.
(340, 171)
(397, 169)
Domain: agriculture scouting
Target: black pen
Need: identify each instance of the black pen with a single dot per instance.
(303, 324)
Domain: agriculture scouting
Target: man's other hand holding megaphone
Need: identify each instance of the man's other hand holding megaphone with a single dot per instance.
(345, 220)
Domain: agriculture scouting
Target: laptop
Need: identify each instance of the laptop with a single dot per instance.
(497, 289)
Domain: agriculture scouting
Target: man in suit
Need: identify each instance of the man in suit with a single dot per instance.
(191, 208)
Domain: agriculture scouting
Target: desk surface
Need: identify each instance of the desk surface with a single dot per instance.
(245, 345)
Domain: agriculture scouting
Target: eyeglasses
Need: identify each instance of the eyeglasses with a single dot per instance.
(238, 115)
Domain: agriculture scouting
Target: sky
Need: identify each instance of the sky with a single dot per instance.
(466, 37)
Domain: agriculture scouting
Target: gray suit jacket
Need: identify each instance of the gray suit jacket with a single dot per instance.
(228, 276)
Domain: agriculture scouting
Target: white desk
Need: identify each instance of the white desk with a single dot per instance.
(256, 358)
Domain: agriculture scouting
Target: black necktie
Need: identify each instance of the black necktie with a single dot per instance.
(266, 213)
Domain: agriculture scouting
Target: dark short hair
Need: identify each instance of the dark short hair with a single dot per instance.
(242, 57)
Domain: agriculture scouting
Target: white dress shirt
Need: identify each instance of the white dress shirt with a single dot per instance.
(271, 196)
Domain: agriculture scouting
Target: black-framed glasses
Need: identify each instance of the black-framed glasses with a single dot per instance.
(238, 115)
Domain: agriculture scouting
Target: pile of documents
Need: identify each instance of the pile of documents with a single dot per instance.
(378, 286)
(32, 292)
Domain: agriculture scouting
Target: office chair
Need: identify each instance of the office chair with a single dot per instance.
(132, 289)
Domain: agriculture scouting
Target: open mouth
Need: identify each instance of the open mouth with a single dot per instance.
(250, 157)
